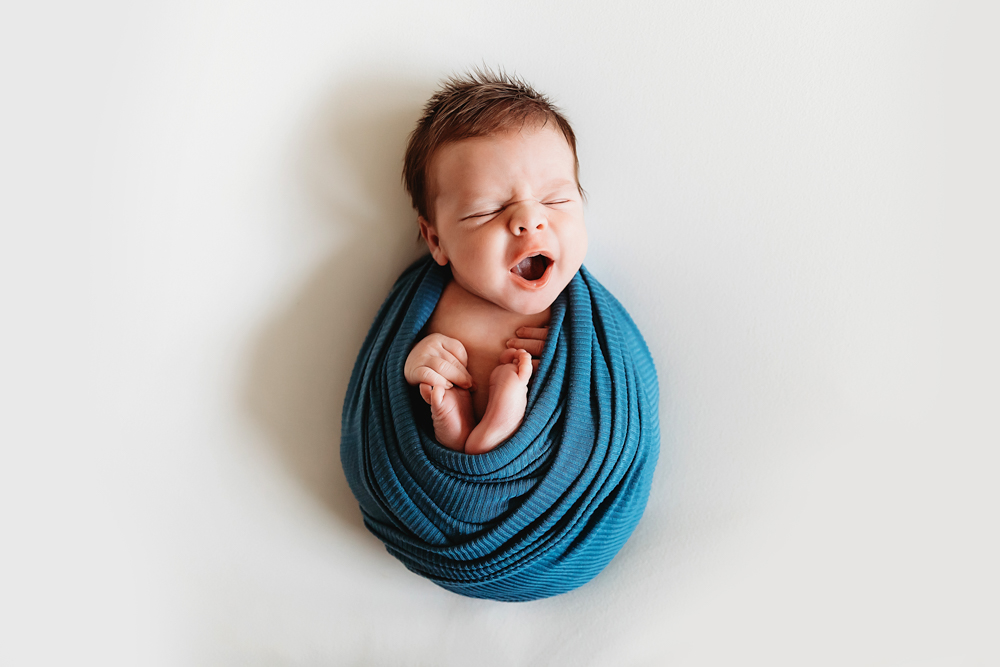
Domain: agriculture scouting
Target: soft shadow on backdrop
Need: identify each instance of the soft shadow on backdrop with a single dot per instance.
(350, 162)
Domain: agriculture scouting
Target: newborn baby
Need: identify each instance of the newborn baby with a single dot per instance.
(567, 467)
(492, 171)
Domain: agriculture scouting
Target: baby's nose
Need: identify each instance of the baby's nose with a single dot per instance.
(527, 217)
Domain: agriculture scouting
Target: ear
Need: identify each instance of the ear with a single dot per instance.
(430, 235)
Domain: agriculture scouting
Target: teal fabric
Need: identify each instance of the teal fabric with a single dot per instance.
(543, 512)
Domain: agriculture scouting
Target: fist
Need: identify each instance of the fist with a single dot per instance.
(438, 360)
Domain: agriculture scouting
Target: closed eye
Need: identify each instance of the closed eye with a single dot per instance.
(484, 214)
(556, 201)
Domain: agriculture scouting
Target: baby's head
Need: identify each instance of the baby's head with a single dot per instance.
(492, 171)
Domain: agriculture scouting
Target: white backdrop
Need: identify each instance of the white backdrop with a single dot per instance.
(203, 211)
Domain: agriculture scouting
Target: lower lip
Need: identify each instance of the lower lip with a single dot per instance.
(535, 284)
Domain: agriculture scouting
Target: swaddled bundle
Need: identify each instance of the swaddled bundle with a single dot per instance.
(543, 512)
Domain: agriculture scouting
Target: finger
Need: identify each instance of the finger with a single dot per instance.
(425, 392)
(538, 333)
(533, 347)
(454, 346)
(534, 364)
(442, 353)
(420, 357)
(508, 355)
(426, 375)
(450, 371)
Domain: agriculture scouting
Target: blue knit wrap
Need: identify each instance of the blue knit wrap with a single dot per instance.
(543, 512)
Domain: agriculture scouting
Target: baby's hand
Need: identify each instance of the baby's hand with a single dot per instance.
(438, 360)
(532, 340)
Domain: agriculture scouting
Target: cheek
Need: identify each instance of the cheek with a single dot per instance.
(575, 240)
(476, 254)
(485, 245)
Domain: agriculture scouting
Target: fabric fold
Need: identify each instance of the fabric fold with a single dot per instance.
(543, 512)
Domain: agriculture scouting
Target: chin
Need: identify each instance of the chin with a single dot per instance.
(535, 303)
(531, 310)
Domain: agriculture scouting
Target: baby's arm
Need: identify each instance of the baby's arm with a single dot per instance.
(439, 365)
(507, 402)
(508, 390)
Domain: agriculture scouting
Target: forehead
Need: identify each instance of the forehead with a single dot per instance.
(532, 154)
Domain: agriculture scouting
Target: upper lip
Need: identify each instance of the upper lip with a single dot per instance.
(531, 253)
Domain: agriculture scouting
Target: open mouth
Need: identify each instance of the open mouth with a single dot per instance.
(532, 268)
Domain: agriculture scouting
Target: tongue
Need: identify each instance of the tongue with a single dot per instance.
(531, 268)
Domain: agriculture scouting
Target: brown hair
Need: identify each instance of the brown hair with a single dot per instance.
(480, 103)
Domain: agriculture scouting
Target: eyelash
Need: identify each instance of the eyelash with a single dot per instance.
(489, 213)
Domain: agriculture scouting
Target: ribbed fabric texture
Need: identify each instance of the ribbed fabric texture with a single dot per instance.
(543, 512)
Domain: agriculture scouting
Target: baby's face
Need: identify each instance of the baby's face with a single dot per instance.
(508, 216)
